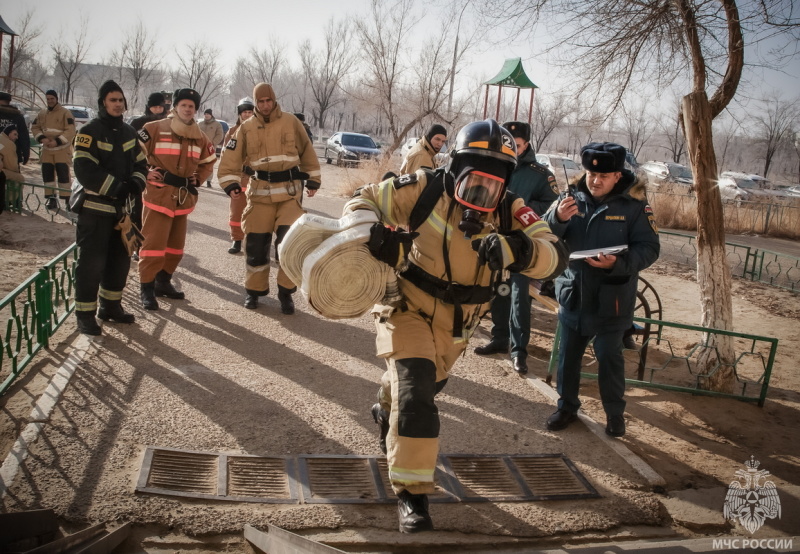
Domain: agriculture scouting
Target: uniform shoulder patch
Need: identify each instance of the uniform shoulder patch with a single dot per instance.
(404, 180)
(211, 148)
(526, 216)
(648, 209)
(144, 136)
(83, 141)
(231, 145)
(553, 184)
(652, 221)
(70, 121)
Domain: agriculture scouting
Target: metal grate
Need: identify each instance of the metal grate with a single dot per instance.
(357, 479)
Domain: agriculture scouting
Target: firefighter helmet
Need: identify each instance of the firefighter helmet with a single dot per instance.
(245, 104)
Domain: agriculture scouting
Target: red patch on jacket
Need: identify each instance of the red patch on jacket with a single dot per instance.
(526, 216)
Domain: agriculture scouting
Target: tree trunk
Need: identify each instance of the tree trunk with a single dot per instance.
(713, 273)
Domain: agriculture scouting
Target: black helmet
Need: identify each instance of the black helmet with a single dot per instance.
(481, 161)
(245, 103)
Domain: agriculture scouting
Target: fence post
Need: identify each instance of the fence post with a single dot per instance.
(44, 307)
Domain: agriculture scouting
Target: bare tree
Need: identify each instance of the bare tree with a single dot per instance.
(548, 115)
(69, 55)
(199, 68)
(138, 59)
(774, 125)
(637, 126)
(621, 41)
(670, 126)
(327, 68)
(263, 65)
(25, 48)
(726, 130)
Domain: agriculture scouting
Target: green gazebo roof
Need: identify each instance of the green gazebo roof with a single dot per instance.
(512, 75)
(5, 29)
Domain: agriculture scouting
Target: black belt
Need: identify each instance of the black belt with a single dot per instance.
(293, 174)
(449, 293)
(175, 181)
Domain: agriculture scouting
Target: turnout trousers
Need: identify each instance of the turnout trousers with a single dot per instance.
(610, 369)
(261, 219)
(419, 353)
(164, 221)
(55, 165)
(237, 208)
(103, 261)
(511, 315)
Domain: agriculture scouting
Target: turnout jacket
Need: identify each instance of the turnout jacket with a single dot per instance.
(533, 182)
(275, 143)
(9, 162)
(56, 123)
(393, 201)
(107, 152)
(181, 150)
(9, 115)
(593, 300)
(419, 157)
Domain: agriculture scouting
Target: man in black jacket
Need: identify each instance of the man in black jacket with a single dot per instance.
(111, 168)
(9, 115)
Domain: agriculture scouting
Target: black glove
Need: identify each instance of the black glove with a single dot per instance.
(131, 187)
(388, 246)
(312, 185)
(512, 251)
(233, 187)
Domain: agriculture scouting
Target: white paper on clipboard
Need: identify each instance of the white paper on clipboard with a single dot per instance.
(583, 254)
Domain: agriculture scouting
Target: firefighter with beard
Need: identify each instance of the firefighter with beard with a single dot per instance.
(276, 146)
(238, 203)
(180, 157)
(54, 129)
(473, 232)
(110, 168)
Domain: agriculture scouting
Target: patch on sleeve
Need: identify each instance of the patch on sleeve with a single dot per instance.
(231, 145)
(652, 221)
(526, 216)
(84, 141)
(70, 121)
(211, 149)
(648, 209)
(553, 184)
(403, 180)
(144, 136)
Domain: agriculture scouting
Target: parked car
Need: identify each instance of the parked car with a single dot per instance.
(350, 148)
(632, 164)
(668, 172)
(82, 115)
(793, 191)
(562, 167)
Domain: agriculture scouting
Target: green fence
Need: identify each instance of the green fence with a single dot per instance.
(31, 197)
(668, 359)
(33, 311)
(747, 262)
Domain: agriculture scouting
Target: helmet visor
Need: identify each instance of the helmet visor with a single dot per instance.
(479, 191)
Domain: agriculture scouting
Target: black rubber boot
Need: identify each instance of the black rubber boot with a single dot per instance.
(285, 298)
(51, 203)
(164, 286)
(236, 247)
(149, 301)
(412, 510)
(87, 324)
(251, 301)
(112, 310)
(381, 417)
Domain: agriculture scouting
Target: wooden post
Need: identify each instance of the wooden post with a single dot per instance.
(713, 272)
(486, 102)
(530, 108)
(516, 106)
(499, 93)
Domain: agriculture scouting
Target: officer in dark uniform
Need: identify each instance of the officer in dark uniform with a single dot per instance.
(597, 295)
(511, 313)
(9, 115)
(111, 168)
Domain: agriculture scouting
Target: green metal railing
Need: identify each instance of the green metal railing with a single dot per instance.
(33, 311)
(660, 364)
(747, 262)
(31, 197)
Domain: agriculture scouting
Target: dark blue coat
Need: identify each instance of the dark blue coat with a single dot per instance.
(593, 300)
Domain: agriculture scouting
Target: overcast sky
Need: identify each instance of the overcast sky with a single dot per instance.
(234, 26)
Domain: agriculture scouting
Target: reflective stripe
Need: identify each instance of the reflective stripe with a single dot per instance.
(256, 268)
(235, 223)
(174, 251)
(384, 199)
(151, 253)
(268, 192)
(96, 206)
(110, 294)
(107, 146)
(410, 476)
(539, 227)
(160, 209)
(84, 154)
(228, 179)
(294, 160)
(209, 159)
(128, 145)
(313, 174)
(86, 306)
(106, 186)
(185, 211)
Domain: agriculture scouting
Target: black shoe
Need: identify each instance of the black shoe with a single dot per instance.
(412, 510)
(492, 347)
(521, 365)
(236, 247)
(148, 295)
(165, 288)
(615, 426)
(560, 420)
(548, 289)
(251, 301)
(629, 342)
(381, 417)
(285, 298)
(112, 310)
(208, 184)
(87, 324)
(135, 256)
(51, 203)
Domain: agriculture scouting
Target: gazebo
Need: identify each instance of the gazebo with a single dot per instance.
(511, 75)
(6, 30)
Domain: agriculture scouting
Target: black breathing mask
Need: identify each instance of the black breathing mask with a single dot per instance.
(470, 223)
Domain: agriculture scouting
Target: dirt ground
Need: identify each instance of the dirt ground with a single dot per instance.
(693, 442)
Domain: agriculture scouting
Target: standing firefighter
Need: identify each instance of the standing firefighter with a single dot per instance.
(54, 129)
(110, 168)
(276, 146)
(238, 203)
(472, 232)
(180, 157)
